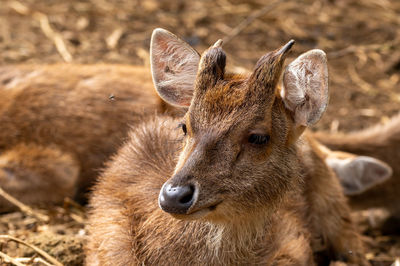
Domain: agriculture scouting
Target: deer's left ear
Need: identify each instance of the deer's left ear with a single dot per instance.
(305, 92)
(174, 65)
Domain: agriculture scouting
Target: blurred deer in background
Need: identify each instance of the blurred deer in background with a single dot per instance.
(380, 141)
(247, 187)
(59, 123)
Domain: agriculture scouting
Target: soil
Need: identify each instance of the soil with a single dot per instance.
(360, 37)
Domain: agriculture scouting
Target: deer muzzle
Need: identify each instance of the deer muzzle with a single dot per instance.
(177, 199)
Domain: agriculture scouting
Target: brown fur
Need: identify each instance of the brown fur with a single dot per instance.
(128, 228)
(67, 108)
(255, 204)
(381, 142)
(22, 173)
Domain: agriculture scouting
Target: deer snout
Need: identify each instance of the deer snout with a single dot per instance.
(176, 199)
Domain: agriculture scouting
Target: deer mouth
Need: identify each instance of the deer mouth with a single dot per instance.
(197, 213)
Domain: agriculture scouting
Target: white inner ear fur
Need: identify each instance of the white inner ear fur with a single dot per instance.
(174, 66)
(359, 174)
(305, 90)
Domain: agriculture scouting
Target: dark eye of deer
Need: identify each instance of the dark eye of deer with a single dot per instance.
(184, 129)
(258, 139)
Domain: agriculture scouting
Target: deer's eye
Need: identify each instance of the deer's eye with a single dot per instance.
(184, 129)
(258, 139)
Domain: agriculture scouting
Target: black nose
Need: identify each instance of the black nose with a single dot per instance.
(176, 199)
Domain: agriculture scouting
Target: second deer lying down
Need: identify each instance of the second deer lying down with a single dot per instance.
(236, 182)
(58, 125)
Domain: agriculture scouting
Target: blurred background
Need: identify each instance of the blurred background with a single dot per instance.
(360, 37)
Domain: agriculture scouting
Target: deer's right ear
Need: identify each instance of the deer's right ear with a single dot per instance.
(360, 173)
(305, 90)
(174, 65)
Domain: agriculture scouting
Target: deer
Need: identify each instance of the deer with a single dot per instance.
(238, 180)
(60, 123)
(380, 141)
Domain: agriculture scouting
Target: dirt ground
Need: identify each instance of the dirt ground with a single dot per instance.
(360, 37)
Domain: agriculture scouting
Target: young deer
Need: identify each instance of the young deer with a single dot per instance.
(380, 141)
(59, 124)
(246, 187)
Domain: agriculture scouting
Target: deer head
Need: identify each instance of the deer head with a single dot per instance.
(240, 131)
